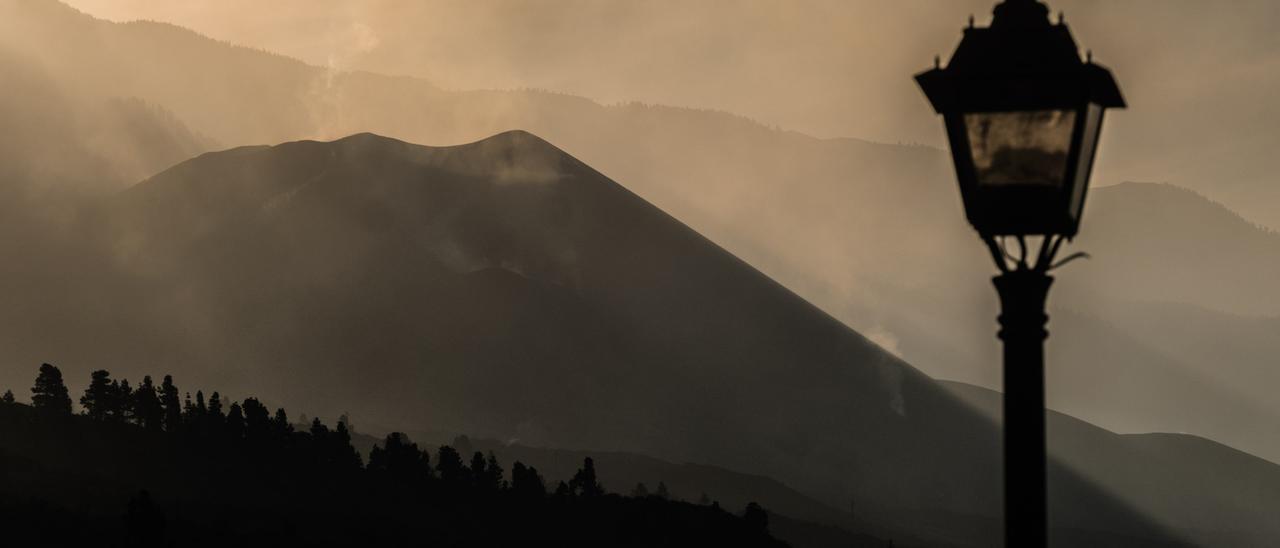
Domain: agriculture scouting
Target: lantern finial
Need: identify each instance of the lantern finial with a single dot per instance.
(1020, 13)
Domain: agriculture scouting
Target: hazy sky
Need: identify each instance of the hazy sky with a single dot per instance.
(1200, 74)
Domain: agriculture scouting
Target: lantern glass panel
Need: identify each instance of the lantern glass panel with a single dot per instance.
(1020, 148)
(1089, 145)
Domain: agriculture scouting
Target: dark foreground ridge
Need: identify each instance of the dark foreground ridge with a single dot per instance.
(138, 468)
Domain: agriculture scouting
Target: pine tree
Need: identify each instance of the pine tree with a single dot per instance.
(379, 462)
(492, 478)
(477, 470)
(640, 491)
(96, 400)
(662, 492)
(257, 420)
(49, 393)
(122, 401)
(8, 397)
(214, 419)
(147, 406)
(584, 482)
(346, 457)
(318, 430)
(280, 424)
(172, 406)
(235, 422)
(526, 482)
(345, 419)
(196, 417)
(111, 403)
(449, 465)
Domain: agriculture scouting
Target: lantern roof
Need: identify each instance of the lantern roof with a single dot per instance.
(1021, 62)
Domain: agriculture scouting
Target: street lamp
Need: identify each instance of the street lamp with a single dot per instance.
(1023, 114)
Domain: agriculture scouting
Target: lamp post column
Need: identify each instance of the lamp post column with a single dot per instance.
(1023, 293)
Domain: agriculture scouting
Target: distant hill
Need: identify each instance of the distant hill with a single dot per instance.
(1159, 472)
(1165, 328)
(1161, 243)
(61, 143)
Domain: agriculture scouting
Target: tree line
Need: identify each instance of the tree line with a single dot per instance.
(160, 409)
(398, 473)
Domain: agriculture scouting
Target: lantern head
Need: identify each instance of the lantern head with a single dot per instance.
(1023, 114)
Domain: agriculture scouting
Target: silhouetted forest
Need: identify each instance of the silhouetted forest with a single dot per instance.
(154, 466)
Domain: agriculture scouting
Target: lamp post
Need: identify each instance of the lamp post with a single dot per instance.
(1023, 113)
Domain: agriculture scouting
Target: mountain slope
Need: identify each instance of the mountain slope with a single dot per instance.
(588, 288)
(507, 290)
(60, 143)
(1162, 243)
